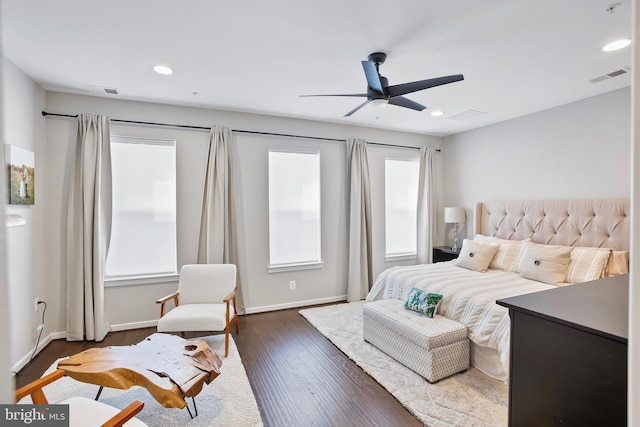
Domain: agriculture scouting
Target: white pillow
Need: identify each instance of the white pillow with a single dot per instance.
(475, 255)
(545, 263)
(618, 263)
(586, 264)
(508, 255)
(485, 239)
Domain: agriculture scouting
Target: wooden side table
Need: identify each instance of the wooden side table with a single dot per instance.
(168, 366)
(444, 253)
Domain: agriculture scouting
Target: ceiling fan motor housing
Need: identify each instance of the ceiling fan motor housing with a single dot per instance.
(373, 94)
(377, 58)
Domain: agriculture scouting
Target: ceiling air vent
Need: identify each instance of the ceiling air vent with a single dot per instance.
(103, 90)
(466, 115)
(610, 75)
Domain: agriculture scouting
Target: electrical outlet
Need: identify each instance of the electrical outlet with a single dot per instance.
(35, 304)
(292, 285)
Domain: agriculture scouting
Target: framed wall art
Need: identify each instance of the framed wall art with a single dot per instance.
(21, 175)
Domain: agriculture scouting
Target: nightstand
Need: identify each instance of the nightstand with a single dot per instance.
(444, 253)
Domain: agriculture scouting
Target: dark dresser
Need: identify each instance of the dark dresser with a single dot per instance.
(568, 363)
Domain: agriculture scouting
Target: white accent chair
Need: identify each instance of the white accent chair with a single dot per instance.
(205, 301)
(84, 412)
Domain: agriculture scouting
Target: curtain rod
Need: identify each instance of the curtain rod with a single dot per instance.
(45, 114)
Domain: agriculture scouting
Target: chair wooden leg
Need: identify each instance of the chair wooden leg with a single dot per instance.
(226, 342)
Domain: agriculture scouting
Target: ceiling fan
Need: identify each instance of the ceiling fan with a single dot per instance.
(379, 91)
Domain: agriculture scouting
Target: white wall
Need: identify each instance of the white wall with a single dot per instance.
(469, 170)
(578, 150)
(6, 383)
(132, 306)
(634, 292)
(22, 102)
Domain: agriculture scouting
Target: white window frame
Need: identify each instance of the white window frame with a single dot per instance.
(401, 256)
(148, 278)
(307, 265)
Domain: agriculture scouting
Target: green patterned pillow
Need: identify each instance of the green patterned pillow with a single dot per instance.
(423, 302)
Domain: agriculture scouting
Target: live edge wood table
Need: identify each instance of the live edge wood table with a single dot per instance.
(569, 355)
(168, 366)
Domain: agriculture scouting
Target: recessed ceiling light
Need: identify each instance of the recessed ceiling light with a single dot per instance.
(618, 44)
(163, 69)
(437, 113)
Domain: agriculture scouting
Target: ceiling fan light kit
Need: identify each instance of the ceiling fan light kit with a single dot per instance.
(379, 92)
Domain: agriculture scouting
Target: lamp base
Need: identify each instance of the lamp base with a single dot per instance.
(455, 237)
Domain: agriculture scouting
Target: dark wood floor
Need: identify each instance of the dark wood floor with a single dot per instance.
(299, 378)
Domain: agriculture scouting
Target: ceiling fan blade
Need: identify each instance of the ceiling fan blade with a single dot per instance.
(401, 101)
(373, 79)
(405, 88)
(340, 94)
(357, 108)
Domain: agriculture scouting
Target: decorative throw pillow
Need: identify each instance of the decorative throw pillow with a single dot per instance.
(485, 239)
(618, 263)
(586, 264)
(508, 254)
(475, 255)
(423, 302)
(545, 263)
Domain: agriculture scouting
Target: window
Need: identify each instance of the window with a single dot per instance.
(294, 208)
(143, 233)
(401, 206)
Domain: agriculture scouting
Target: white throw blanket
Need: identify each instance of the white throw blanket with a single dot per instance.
(469, 297)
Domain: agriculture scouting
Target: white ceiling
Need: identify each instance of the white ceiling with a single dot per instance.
(517, 56)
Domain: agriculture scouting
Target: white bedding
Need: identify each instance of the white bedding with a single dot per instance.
(469, 297)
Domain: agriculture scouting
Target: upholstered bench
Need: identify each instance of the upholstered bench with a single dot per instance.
(433, 347)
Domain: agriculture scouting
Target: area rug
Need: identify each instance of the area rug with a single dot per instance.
(467, 399)
(226, 401)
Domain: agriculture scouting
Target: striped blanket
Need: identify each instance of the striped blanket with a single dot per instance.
(469, 297)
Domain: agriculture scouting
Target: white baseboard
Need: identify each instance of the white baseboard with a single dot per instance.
(152, 323)
(42, 344)
(253, 310)
(134, 325)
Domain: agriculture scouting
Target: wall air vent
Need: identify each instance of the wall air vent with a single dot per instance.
(103, 90)
(466, 115)
(610, 75)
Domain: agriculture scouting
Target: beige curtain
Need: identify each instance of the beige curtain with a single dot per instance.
(426, 207)
(88, 230)
(218, 227)
(360, 250)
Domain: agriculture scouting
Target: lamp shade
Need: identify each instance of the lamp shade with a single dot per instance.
(454, 215)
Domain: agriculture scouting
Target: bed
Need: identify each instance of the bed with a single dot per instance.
(574, 227)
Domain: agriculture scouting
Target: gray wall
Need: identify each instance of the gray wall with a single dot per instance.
(6, 383)
(578, 150)
(24, 127)
(489, 163)
(37, 251)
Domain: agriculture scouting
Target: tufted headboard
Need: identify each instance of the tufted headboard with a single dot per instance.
(580, 222)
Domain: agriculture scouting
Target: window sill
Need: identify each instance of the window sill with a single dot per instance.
(295, 267)
(399, 257)
(113, 282)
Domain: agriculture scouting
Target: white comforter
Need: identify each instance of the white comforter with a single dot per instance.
(469, 297)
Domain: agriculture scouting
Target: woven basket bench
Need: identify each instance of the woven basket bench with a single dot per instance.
(433, 347)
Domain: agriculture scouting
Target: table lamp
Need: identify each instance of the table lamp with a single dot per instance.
(454, 216)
